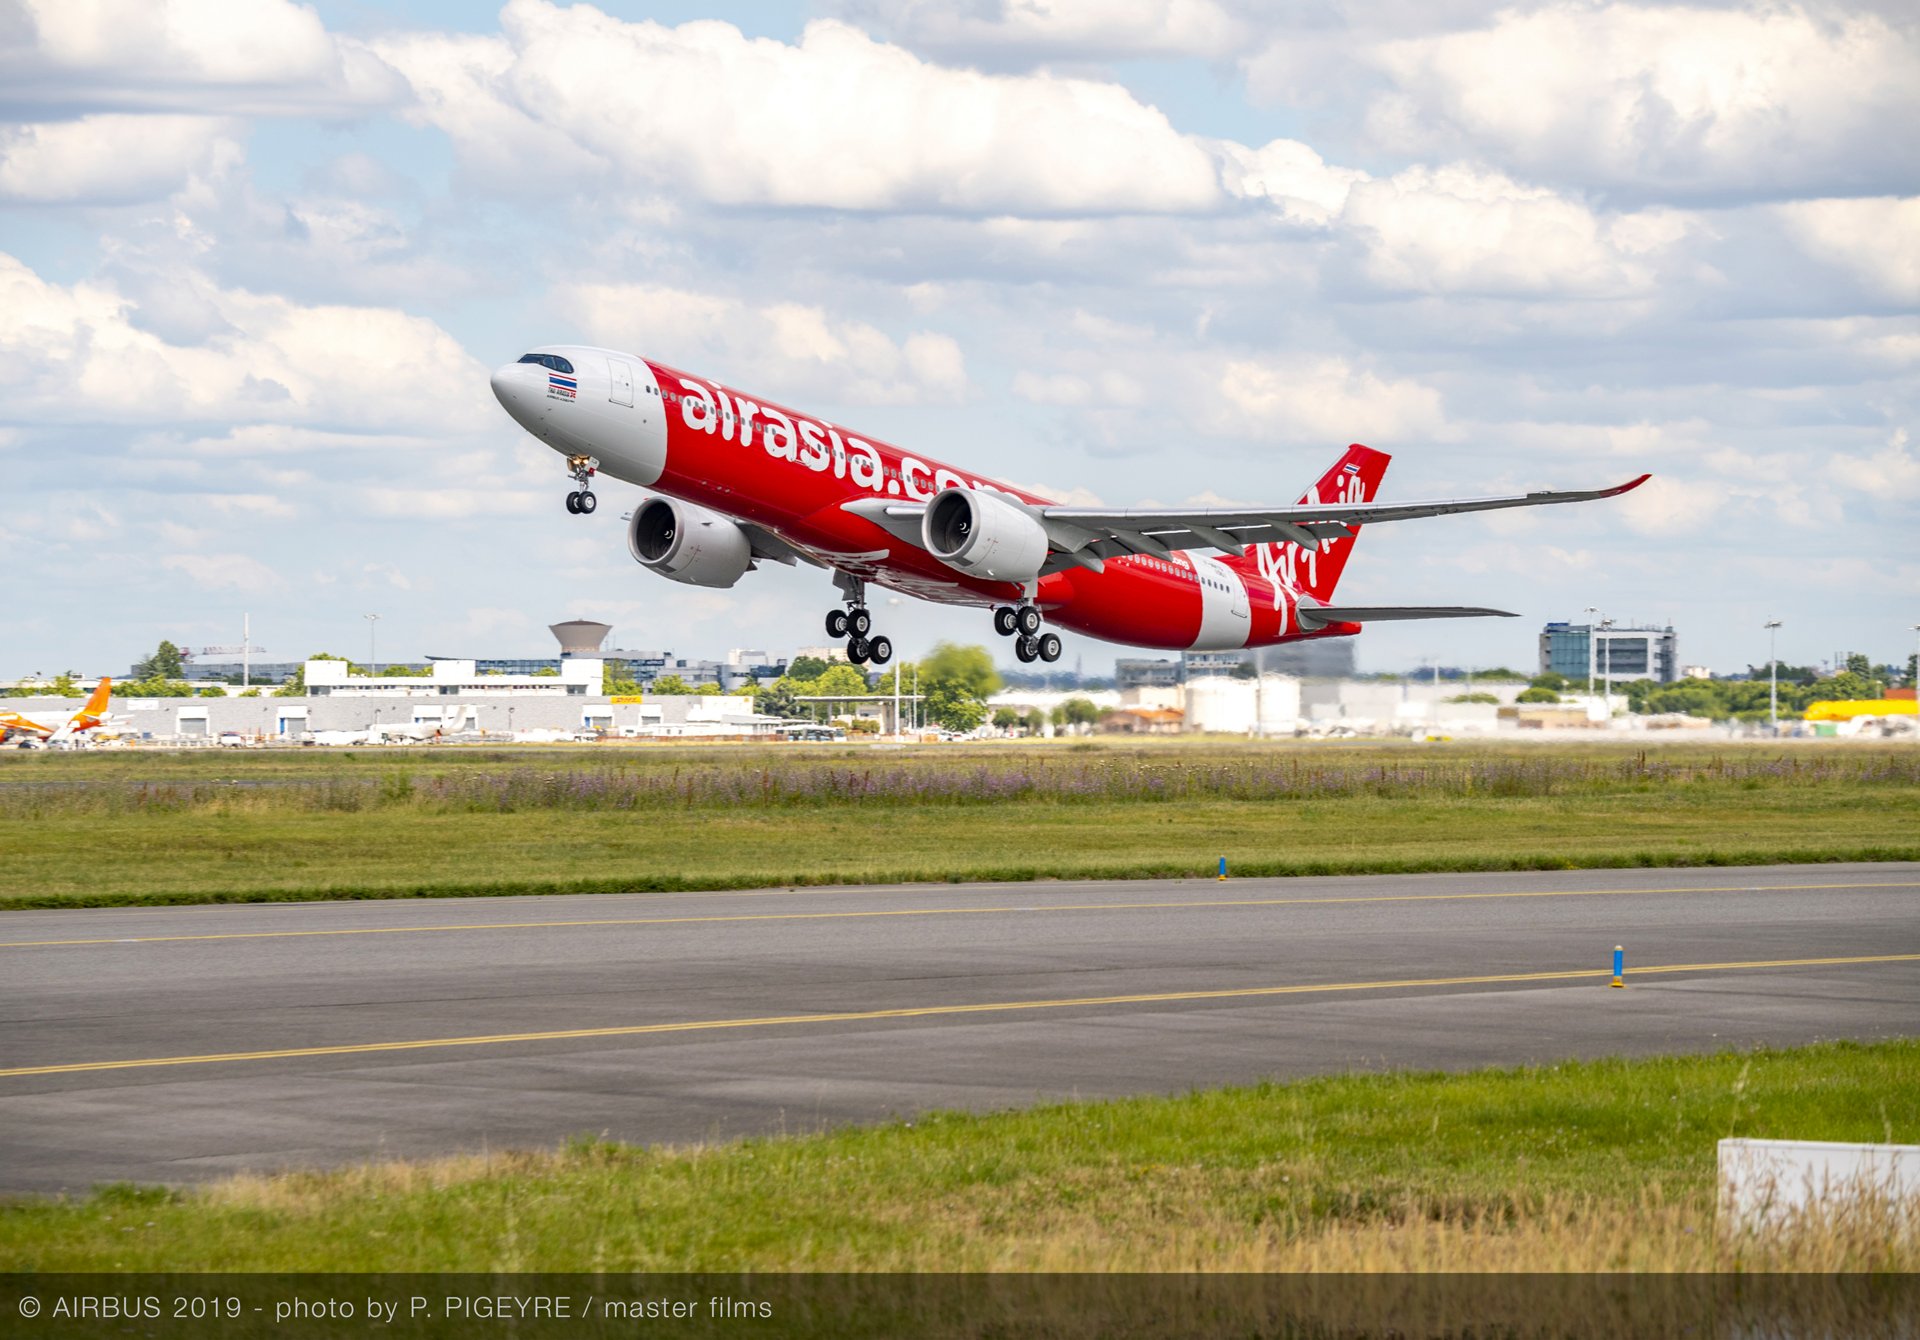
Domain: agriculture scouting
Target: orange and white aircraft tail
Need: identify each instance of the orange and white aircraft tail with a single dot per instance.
(92, 713)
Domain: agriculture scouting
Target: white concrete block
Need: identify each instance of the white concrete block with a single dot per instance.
(1767, 1181)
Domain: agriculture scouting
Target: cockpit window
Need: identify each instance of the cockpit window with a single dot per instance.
(554, 361)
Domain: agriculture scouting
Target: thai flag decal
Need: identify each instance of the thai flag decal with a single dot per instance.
(1351, 468)
(566, 386)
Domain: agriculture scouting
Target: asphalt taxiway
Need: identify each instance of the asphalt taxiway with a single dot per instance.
(179, 1044)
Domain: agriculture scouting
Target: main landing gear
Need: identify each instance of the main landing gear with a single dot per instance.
(855, 624)
(581, 469)
(1022, 624)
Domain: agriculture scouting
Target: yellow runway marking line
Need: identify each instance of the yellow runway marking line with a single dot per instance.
(931, 1011)
(996, 910)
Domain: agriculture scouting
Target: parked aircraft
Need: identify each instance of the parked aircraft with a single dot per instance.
(738, 481)
(91, 717)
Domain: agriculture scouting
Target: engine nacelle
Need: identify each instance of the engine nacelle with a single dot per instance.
(984, 535)
(688, 544)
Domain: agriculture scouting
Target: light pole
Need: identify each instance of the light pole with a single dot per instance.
(1590, 611)
(1606, 665)
(899, 730)
(371, 619)
(1773, 678)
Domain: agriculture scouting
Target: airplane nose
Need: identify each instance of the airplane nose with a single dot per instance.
(508, 382)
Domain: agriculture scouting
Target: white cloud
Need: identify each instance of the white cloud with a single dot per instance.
(1299, 183)
(229, 572)
(1663, 101)
(109, 159)
(1466, 229)
(1295, 398)
(1875, 240)
(74, 353)
(1059, 388)
(1075, 29)
(264, 506)
(785, 348)
(836, 120)
(201, 55)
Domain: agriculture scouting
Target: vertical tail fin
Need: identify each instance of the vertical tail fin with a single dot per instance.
(1315, 569)
(92, 711)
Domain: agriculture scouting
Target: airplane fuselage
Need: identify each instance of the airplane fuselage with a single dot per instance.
(797, 476)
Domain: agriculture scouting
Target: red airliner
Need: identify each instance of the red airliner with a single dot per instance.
(738, 481)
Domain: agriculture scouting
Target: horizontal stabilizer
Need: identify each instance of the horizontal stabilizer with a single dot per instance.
(1318, 616)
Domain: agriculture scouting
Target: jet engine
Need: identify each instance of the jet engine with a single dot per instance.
(984, 535)
(688, 544)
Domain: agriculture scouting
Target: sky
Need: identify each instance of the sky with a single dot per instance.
(257, 260)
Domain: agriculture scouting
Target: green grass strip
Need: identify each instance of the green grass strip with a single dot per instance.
(1590, 1165)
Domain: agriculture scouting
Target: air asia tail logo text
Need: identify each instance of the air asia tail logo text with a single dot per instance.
(1280, 562)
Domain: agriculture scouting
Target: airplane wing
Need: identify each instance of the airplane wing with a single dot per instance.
(1319, 616)
(1085, 536)
(1232, 529)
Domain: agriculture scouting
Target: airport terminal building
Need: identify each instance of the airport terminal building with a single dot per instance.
(1610, 654)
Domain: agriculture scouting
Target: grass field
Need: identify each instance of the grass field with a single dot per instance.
(1591, 1166)
(96, 828)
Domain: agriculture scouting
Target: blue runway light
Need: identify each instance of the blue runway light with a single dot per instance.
(1223, 867)
(1619, 966)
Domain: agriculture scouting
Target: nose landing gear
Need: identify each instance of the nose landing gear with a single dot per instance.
(582, 469)
(1022, 624)
(855, 623)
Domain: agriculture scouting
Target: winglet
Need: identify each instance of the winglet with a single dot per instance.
(1627, 487)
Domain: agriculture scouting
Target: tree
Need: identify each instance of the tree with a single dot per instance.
(839, 681)
(167, 662)
(1080, 712)
(211, 692)
(1550, 680)
(1475, 698)
(1005, 718)
(776, 700)
(806, 667)
(1036, 721)
(1538, 694)
(954, 707)
(62, 685)
(672, 684)
(970, 668)
(616, 679)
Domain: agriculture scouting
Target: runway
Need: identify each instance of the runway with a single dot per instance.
(180, 1044)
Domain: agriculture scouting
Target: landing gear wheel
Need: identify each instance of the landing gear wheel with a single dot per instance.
(581, 470)
(1027, 620)
(1026, 649)
(1049, 646)
(836, 623)
(1005, 620)
(859, 621)
(858, 649)
(880, 650)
